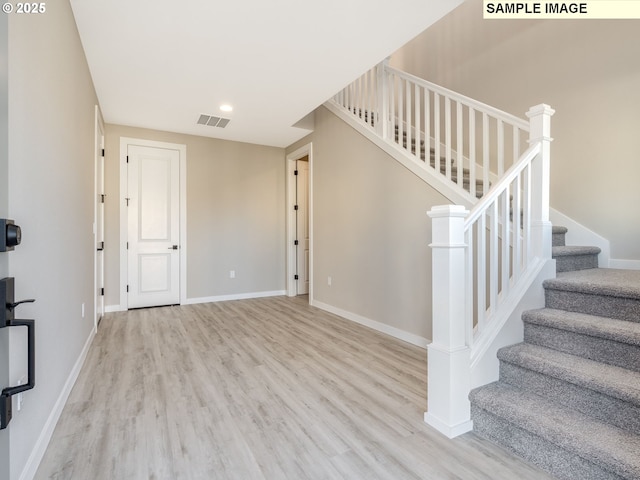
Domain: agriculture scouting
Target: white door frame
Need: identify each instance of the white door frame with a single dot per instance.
(124, 227)
(98, 149)
(306, 150)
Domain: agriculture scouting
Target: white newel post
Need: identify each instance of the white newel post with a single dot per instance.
(448, 354)
(383, 99)
(540, 131)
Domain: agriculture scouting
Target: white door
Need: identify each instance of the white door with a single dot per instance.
(99, 221)
(153, 226)
(302, 226)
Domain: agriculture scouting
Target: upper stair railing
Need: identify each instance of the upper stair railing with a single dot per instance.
(484, 260)
(464, 140)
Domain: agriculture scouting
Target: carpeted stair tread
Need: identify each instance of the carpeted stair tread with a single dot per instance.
(558, 229)
(601, 327)
(599, 281)
(610, 380)
(604, 445)
(564, 250)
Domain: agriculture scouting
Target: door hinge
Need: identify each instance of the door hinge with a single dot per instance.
(127, 199)
(103, 152)
(127, 288)
(127, 158)
(102, 291)
(295, 242)
(102, 195)
(127, 245)
(295, 277)
(295, 207)
(295, 172)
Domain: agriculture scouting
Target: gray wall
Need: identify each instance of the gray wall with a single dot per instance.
(587, 70)
(235, 214)
(50, 194)
(370, 229)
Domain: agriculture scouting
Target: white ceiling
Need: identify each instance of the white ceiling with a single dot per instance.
(159, 64)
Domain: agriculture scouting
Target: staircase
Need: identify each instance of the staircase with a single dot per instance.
(568, 398)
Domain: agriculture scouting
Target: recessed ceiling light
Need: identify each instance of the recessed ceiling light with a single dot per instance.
(226, 108)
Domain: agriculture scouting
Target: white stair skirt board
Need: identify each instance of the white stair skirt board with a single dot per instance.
(411, 338)
(580, 235)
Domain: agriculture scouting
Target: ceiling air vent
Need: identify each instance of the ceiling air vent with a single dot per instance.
(213, 121)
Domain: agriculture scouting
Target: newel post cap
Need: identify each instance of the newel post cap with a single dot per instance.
(541, 109)
(440, 211)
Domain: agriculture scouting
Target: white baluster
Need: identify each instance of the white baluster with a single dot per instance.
(493, 256)
(481, 268)
(408, 114)
(383, 101)
(436, 130)
(500, 148)
(472, 152)
(486, 161)
(447, 136)
(427, 126)
(392, 107)
(400, 113)
(506, 253)
(459, 134)
(517, 225)
(418, 115)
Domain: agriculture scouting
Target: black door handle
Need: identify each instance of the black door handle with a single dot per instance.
(13, 305)
(174, 247)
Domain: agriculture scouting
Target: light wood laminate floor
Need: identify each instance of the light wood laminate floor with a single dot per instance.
(257, 389)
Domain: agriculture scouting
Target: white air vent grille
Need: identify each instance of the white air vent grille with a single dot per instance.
(213, 121)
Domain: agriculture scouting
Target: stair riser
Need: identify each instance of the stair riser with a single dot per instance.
(585, 346)
(558, 240)
(599, 305)
(571, 263)
(595, 404)
(536, 450)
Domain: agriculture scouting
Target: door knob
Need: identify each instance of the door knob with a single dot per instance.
(174, 247)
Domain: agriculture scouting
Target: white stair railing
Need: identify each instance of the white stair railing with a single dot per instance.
(483, 261)
(468, 142)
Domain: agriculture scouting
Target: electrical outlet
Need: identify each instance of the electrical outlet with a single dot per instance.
(232, 274)
(329, 281)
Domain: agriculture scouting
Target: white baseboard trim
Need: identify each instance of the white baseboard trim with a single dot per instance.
(113, 308)
(235, 296)
(448, 430)
(31, 467)
(624, 264)
(375, 325)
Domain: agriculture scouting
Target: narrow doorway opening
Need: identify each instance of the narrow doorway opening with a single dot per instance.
(300, 223)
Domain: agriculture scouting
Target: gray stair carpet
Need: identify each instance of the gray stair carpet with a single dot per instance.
(605, 392)
(568, 397)
(558, 236)
(560, 440)
(571, 258)
(599, 291)
(607, 340)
